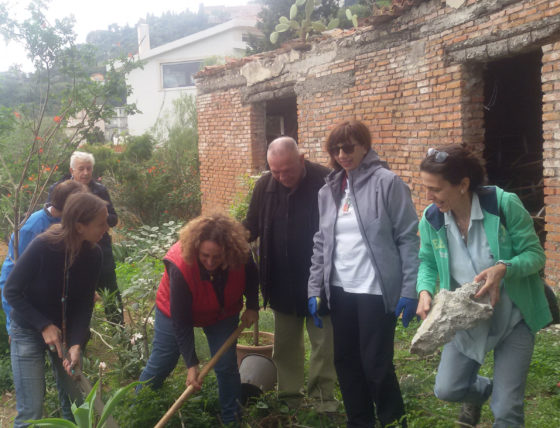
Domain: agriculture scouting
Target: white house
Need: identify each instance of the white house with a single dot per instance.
(169, 68)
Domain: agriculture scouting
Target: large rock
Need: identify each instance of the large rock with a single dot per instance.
(451, 311)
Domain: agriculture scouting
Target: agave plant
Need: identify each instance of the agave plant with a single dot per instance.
(306, 26)
(85, 414)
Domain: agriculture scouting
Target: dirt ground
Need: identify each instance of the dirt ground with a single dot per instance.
(7, 409)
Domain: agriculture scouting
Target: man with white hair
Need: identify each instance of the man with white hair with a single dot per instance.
(284, 214)
(81, 170)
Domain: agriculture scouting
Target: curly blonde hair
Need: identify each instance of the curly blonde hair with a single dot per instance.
(220, 229)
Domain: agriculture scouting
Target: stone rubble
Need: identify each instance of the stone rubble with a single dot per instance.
(451, 311)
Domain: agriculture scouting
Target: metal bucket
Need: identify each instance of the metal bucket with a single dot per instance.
(258, 375)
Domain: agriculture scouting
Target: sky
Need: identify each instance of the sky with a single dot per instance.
(96, 15)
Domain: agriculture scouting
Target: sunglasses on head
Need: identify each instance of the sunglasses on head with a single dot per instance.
(347, 148)
(438, 156)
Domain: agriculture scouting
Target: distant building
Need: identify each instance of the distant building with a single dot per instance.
(168, 70)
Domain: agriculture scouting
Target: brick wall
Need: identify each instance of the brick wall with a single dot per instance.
(415, 81)
(551, 156)
(228, 143)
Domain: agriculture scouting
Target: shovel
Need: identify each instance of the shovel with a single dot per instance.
(80, 384)
(85, 386)
(209, 366)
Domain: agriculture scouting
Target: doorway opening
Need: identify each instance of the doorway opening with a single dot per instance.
(513, 130)
(281, 118)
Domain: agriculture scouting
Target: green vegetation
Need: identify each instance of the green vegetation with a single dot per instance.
(304, 25)
(124, 351)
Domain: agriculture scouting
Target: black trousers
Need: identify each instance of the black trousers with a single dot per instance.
(363, 357)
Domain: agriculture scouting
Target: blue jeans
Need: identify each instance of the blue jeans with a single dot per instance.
(227, 372)
(165, 354)
(28, 366)
(457, 378)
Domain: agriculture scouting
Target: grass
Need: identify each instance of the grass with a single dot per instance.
(416, 376)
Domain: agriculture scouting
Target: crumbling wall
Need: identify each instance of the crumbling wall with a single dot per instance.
(416, 81)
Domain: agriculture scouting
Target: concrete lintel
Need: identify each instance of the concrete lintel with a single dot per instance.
(516, 39)
(519, 43)
(497, 49)
(267, 92)
(546, 33)
(331, 82)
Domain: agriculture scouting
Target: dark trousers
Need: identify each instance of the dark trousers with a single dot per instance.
(363, 357)
(113, 302)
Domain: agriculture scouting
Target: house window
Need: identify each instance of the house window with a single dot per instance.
(179, 74)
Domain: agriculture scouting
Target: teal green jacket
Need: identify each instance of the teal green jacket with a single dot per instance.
(511, 237)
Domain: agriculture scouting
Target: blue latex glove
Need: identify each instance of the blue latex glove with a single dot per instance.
(407, 307)
(313, 306)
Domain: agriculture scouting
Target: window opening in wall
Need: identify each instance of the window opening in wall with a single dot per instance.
(513, 130)
(281, 118)
(179, 74)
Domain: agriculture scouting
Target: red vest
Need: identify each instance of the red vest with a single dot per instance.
(205, 308)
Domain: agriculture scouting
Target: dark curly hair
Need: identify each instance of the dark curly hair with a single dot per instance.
(459, 163)
(219, 228)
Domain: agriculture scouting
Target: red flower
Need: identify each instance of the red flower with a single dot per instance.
(57, 119)
(17, 115)
(38, 138)
(40, 149)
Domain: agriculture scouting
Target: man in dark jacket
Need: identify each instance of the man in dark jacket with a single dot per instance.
(284, 214)
(81, 170)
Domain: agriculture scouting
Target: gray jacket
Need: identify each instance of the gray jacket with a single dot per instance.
(388, 225)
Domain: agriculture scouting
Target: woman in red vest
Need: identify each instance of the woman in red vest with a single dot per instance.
(207, 272)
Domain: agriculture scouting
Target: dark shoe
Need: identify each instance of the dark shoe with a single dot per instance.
(470, 415)
(552, 304)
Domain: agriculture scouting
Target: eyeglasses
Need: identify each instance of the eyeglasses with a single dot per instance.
(438, 156)
(347, 148)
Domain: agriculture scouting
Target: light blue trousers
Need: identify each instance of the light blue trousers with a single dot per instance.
(457, 378)
(27, 350)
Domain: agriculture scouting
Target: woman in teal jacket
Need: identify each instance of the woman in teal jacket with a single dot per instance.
(484, 234)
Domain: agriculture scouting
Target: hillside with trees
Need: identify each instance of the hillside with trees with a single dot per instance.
(17, 87)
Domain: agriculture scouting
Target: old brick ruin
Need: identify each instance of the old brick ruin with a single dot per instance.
(486, 73)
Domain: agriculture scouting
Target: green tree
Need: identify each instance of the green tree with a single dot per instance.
(157, 176)
(14, 88)
(116, 40)
(34, 142)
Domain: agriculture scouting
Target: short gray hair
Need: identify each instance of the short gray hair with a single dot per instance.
(283, 146)
(81, 156)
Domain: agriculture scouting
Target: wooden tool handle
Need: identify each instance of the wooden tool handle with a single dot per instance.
(209, 366)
